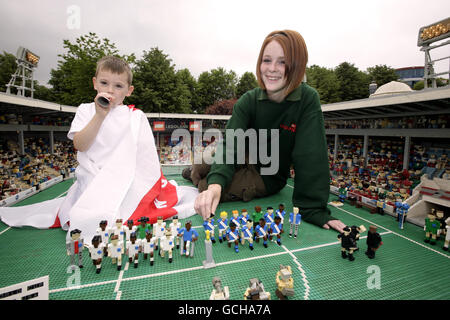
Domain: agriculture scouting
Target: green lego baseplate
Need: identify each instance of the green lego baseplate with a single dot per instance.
(404, 267)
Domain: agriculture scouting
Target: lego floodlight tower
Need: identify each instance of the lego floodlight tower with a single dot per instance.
(26, 61)
(428, 35)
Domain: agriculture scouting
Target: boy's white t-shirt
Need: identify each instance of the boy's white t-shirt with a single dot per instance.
(113, 128)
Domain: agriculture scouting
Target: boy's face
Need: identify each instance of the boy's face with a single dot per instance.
(113, 84)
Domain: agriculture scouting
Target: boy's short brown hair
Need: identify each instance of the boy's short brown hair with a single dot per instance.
(295, 55)
(114, 65)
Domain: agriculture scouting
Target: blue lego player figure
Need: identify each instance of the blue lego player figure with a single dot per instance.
(276, 229)
(236, 219)
(247, 233)
(262, 230)
(244, 217)
(222, 223)
(295, 218)
(280, 212)
(208, 225)
(189, 235)
(402, 212)
(342, 192)
(233, 236)
(269, 215)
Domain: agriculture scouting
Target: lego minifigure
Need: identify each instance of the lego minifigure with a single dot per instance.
(143, 228)
(104, 232)
(285, 283)
(209, 262)
(175, 227)
(236, 219)
(276, 229)
(129, 228)
(233, 236)
(74, 246)
(447, 234)
(223, 225)
(247, 233)
(255, 291)
(342, 192)
(159, 229)
(440, 218)
(118, 229)
(280, 212)
(244, 217)
(262, 232)
(295, 219)
(402, 212)
(258, 214)
(431, 229)
(190, 235)
(133, 249)
(167, 245)
(374, 241)
(115, 250)
(269, 216)
(208, 225)
(148, 245)
(381, 205)
(218, 293)
(96, 252)
(348, 244)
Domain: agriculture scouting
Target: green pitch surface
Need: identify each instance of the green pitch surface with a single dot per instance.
(404, 267)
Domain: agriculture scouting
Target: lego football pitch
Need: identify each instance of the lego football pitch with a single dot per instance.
(404, 267)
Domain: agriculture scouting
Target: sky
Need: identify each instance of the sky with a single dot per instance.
(201, 35)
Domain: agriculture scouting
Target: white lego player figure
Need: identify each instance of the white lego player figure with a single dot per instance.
(96, 250)
(148, 245)
(247, 233)
(104, 231)
(119, 230)
(295, 219)
(167, 245)
(236, 219)
(133, 249)
(159, 229)
(447, 234)
(115, 250)
(218, 293)
(74, 246)
(129, 229)
(175, 227)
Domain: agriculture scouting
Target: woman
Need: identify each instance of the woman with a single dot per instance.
(285, 103)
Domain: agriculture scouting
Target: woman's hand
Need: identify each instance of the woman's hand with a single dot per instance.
(207, 201)
(337, 225)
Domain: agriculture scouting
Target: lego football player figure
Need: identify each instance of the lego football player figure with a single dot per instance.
(148, 246)
(223, 225)
(218, 293)
(402, 212)
(258, 214)
(129, 228)
(133, 249)
(119, 229)
(143, 228)
(348, 243)
(440, 218)
(295, 218)
(244, 217)
(447, 234)
(233, 236)
(115, 250)
(269, 215)
(256, 291)
(280, 212)
(167, 245)
(208, 225)
(431, 229)
(189, 236)
(96, 252)
(285, 283)
(74, 246)
(104, 232)
(159, 229)
(276, 229)
(262, 231)
(247, 233)
(236, 219)
(175, 227)
(342, 192)
(373, 242)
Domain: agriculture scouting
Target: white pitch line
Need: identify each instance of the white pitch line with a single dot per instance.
(116, 289)
(5, 230)
(303, 273)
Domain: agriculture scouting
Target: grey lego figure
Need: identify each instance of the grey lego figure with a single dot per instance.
(255, 291)
(74, 246)
(218, 293)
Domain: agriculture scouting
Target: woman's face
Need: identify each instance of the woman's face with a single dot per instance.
(273, 70)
